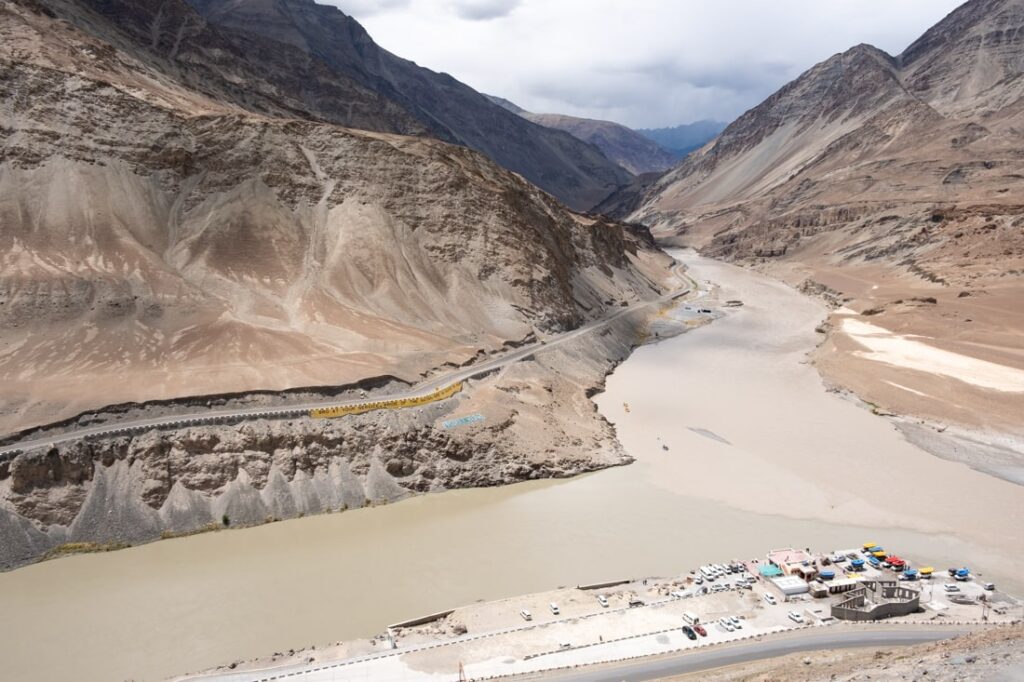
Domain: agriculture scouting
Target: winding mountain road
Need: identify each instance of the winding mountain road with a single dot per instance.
(421, 389)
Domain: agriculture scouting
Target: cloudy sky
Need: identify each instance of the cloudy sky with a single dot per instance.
(645, 63)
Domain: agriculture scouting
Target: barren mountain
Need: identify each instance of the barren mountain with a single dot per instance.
(192, 246)
(333, 48)
(634, 152)
(626, 147)
(895, 184)
(172, 224)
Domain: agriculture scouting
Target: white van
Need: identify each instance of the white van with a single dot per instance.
(796, 617)
(602, 601)
(554, 608)
(691, 618)
(525, 614)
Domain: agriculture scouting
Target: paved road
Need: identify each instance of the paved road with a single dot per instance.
(653, 668)
(292, 411)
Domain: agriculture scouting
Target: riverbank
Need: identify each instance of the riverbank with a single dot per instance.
(943, 361)
(524, 415)
(581, 629)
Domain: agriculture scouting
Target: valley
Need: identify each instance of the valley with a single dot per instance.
(318, 363)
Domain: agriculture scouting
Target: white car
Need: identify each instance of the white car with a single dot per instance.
(602, 600)
(951, 588)
(770, 599)
(796, 617)
(726, 625)
(525, 614)
(736, 622)
(554, 608)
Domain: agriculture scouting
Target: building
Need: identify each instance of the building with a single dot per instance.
(790, 585)
(877, 599)
(794, 562)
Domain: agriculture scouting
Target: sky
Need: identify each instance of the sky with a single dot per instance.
(644, 63)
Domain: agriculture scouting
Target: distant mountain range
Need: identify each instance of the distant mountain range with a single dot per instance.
(637, 151)
(685, 138)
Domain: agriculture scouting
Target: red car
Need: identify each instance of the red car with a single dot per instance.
(699, 629)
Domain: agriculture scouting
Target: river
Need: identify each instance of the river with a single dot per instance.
(759, 456)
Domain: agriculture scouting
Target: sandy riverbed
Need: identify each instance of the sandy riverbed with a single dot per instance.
(749, 424)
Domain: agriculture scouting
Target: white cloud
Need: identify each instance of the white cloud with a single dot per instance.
(362, 9)
(483, 10)
(645, 63)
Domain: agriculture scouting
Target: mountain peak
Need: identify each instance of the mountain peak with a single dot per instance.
(964, 56)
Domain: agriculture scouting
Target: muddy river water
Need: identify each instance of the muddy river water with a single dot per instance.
(759, 456)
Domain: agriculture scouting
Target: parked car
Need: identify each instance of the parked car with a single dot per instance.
(989, 586)
(688, 631)
(795, 617)
(726, 625)
(554, 608)
(951, 588)
(770, 599)
(700, 630)
(525, 614)
(602, 600)
(736, 622)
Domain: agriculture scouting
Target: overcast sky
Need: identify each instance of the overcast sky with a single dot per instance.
(645, 63)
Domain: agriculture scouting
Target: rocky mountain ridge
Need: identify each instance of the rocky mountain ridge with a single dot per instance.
(634, 152)
(446, 109)
(941, 116)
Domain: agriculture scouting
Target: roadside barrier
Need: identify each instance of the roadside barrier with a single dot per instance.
(396, 404)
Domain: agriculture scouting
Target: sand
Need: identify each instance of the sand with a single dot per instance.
(895, 349)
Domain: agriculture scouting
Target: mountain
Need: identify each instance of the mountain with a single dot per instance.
(685, 138)
(336, 46)
(175, 221)
(893, 184)
(624, 146)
